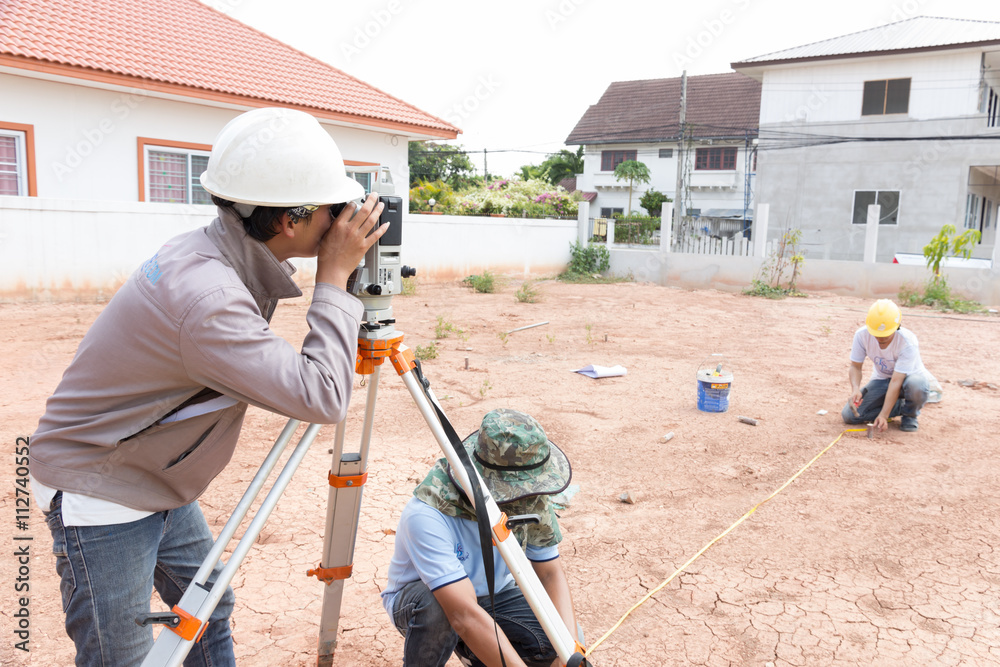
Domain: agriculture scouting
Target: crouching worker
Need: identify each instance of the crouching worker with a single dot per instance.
(437, 593)
(899, 382)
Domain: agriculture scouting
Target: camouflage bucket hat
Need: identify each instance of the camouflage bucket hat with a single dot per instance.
(515, 458)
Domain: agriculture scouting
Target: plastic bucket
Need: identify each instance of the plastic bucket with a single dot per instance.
(713, 390)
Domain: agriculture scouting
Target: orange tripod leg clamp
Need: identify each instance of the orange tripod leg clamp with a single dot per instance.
(190, 627)
(328, 575)
(500, 531)
(345, 481)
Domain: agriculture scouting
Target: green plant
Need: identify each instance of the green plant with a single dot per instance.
(409, 286)
(653, 201)
(768, 280)
(632, 171)
(590, 339)
(527, 293)
(502, 335)
(444, 328)
(936, 292)
(588, 259)
(550, 338)
(426, 352)
(485, 387)
(484, 284)
(948, 242)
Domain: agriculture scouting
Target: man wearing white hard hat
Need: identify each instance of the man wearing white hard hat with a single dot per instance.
(899, 385)
(150, 409)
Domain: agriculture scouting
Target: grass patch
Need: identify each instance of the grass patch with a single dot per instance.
(444, 328)
(528, 293)
(409, 286)
(486, 283)
(760, 288)
(937, 294)
(426, 352)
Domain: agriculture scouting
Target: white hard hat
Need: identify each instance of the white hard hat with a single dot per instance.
(278, 157)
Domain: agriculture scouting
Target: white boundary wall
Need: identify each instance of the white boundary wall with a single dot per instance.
(58, 248)
(840, 277)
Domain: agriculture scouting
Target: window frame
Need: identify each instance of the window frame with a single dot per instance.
(899, 203)
(145, 144)
(885, 96)
(628, 154)
(27, 183)
(374, 169)
(669, 153)
(723, 151)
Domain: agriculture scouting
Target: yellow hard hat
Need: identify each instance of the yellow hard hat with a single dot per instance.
(883, 318)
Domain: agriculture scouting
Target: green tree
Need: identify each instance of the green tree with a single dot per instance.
(635, 173)
(440, 162)
(653, 201)
(948, 242)
(564, 164)
(555, 167)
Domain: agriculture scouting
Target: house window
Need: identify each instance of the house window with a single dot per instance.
(13, 168)
(888, 200)
(611, 159)
(715, 159)
(972, 211)
(172, 173)
(365, 173)
(609, 212)
(992, 109)
(666, 152)
(885, 97)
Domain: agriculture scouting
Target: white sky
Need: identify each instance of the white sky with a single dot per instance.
(519, 74)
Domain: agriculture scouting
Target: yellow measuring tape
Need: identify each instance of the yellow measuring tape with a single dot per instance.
(743, 518)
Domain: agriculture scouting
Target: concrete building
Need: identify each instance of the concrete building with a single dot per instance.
(640, 120)
(906, 116)
(101, 104)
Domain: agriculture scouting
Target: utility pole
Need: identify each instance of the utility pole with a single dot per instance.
(679, 194)
(486, 172)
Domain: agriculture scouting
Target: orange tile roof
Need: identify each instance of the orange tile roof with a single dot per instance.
(187, 48)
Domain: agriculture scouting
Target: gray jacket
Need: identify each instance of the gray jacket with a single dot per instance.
(190, 324)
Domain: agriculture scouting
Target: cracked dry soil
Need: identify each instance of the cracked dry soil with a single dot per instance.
(884, 552)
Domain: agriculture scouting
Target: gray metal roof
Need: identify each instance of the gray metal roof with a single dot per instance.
(921, 32)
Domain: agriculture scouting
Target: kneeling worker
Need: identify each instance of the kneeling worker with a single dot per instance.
(899, 382)
(437, 593)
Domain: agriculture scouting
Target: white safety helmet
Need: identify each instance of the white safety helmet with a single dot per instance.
(278, 157)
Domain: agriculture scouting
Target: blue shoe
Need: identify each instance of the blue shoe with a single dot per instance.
(908, 424)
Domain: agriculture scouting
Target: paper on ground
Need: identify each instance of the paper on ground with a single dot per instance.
(601, 371)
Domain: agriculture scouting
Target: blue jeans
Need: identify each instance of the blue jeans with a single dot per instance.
(107, 577)
(912, 397)
(430, 639)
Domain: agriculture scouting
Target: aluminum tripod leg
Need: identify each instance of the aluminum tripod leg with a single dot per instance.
(555, 628)
(198, 602)
(343, 509)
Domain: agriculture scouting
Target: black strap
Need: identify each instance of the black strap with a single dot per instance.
(482, 517)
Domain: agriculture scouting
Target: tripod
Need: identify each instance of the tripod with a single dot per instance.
(189, 618)
(378, 340)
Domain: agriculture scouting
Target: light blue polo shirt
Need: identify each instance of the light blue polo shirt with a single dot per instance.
(440, 550)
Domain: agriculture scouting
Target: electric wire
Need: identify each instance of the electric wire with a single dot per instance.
(743, 518)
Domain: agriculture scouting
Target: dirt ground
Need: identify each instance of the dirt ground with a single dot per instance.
(884, 552)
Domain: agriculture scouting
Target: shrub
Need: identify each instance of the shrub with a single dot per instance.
(484, 284)
(426, 352)
(528, 293)
(589, 259)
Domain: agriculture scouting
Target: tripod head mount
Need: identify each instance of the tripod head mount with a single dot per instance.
(381, 275)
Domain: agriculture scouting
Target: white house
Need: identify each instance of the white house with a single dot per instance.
(107, 118)
(640, 120)
(906, 116)
(101, 104)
